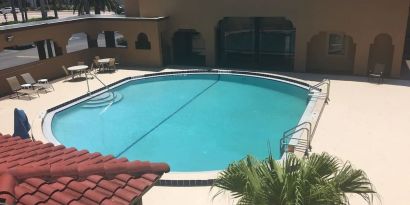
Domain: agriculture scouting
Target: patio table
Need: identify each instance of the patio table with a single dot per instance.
(77, 68)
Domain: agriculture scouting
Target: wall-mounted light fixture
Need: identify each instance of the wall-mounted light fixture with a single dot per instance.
(9, 38)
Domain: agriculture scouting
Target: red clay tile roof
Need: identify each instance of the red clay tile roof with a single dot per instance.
(37, 173)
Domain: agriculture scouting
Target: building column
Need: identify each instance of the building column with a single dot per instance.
(132, 8)
(209, 36)
(92, 42)
(361, 58)
(398, 45)
(109, 39)
(60, 45)
(49, 48)
(58, 49)
(41, 50)
(301, 41)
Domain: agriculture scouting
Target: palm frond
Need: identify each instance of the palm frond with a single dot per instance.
(319, 179)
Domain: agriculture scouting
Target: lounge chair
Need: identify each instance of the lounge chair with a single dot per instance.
(377, 72)
(19, 90)
(42, 83)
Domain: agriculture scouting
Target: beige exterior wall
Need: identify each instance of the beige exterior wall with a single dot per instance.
(361, 21)
(374, 29)
(60, 34)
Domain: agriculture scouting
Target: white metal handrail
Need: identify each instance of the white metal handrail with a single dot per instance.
(317, 87)
(304, 145)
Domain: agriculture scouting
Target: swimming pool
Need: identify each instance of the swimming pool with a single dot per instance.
(194, 122)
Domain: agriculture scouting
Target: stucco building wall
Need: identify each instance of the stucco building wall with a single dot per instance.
(60, 33)
(374, 32)
(361, 22)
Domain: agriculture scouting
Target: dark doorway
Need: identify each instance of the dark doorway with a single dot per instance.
(381, 52)
(266, 43)
(188, 48)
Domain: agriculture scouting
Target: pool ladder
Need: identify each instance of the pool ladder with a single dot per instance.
(304, 144)
(95, 76)
(317, 88)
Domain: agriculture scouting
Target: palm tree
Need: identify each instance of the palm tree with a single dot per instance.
(319, 179)
(13, 10)
(43, 9)
(55, 9)
(83, 6)
(21, 7)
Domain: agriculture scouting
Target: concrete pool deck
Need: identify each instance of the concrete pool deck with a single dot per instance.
(364, 122)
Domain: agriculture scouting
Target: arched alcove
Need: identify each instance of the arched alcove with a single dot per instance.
(381, 52)
(142, 42)
(330, 52)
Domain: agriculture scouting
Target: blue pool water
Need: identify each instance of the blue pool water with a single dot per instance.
(196, 122)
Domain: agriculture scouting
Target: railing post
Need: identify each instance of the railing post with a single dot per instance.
(88, 85)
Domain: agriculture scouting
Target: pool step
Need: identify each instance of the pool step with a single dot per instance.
(103, 100)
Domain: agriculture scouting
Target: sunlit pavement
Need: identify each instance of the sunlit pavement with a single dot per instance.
(364, 122)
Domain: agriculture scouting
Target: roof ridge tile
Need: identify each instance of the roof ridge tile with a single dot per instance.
(23, 172)
(94, 169)
(58, 170)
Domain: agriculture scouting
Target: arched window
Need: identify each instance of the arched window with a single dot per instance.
(77, 42)
(120, 41)
(142, 42)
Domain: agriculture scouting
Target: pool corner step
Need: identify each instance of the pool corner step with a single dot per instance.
(103, 100)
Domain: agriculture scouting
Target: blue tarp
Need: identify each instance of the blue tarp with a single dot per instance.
(21, 124)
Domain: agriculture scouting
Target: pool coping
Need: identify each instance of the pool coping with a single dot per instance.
(200, 178)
